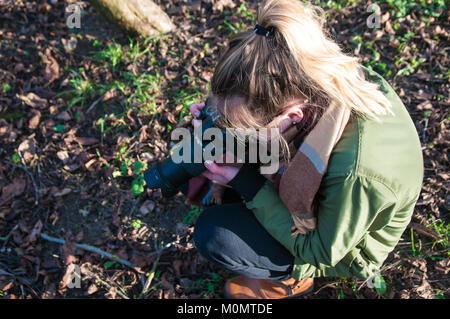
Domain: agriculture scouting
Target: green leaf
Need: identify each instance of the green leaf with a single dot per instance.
(11, 116)
(124, 169)
(138, 167)
(15, 158)
(137, 224)
(58, 128)
(380, 284)
(6, 87)
(137, 185)
(109, 264)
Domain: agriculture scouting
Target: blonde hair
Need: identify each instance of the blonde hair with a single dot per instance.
(297, 59)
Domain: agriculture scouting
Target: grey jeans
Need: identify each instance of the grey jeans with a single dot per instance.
(230, 235)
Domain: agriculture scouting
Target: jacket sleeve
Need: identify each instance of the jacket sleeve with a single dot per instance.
(348, 206)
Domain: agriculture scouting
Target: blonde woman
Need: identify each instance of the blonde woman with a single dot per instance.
(340, 203)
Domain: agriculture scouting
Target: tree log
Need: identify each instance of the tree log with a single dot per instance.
(143, 17)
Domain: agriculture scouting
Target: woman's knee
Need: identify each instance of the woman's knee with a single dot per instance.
(207, 231)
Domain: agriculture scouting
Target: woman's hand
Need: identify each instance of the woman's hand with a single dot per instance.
(195, 111)
(222, 174)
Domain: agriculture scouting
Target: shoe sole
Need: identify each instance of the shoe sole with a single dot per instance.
(307, 291)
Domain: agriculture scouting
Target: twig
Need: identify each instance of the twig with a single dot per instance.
(151, 275)
(2, 272)
(36, 192)
(91, 249)
(94, 103)
(136, 202)
(102, 98)
(6, 238)
(425, 131)
(330, 285)
(92, 275)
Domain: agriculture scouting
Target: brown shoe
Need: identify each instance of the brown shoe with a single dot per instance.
(250, 288)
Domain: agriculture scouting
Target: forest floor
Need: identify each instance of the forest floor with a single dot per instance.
(83, 112)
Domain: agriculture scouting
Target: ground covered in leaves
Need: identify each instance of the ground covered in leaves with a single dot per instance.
(83, 112)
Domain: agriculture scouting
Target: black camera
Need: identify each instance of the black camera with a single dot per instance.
(169, 175)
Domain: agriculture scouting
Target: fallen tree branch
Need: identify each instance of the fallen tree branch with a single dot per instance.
(91, 249)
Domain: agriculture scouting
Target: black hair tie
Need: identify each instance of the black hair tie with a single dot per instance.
(260, 30)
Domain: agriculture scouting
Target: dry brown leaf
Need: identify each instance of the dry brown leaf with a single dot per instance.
(35, 232)
(71, 167)
(27, 149)
(35, 119)
(142, 134)
(7, 286)
(33, 100)
(63, 156)
(92, 289)
(64, 116)
(16, 188)
(51, 71)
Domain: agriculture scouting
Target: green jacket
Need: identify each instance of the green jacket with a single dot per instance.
(365, 200)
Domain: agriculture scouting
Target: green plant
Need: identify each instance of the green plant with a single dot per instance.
(243, 12)
(110, 264)
(443, 232)
(58, 128)
(193, 213)
(15, 158)
(234, 28)
(137, 224)
(6, 87)
(209, 287)
(341, 291)
(379, 284)
(425, 8)
(439, 294)
(113, 54)
(82, 88)
(137, 185)
(135, 52)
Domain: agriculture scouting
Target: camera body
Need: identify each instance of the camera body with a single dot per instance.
(169, 175)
